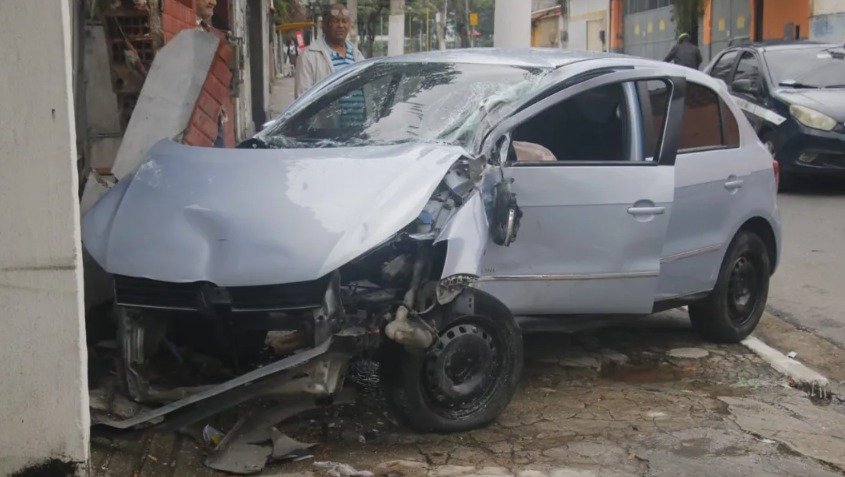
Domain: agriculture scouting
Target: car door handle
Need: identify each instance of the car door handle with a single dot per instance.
(734, 184)
(639, 211)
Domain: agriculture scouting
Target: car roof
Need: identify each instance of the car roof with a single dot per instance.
(779, 45)
(536, 57)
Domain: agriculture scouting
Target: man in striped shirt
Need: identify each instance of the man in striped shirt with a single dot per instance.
(328, 54)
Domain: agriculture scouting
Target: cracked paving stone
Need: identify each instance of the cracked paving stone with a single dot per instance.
(796, 422)
(581, 362)
(401, 468)
(688, 353)
(451, 471)
(531, 473)
(568, 472)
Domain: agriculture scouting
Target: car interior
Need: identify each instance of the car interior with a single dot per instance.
(592, 126)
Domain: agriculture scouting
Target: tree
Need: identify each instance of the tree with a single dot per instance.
(370, 14)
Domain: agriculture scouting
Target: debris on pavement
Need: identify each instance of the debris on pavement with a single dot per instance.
(211, 435)
(337, 469)
(286, 448)
(792, 355)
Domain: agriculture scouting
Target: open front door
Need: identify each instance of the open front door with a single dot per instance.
(592, 169)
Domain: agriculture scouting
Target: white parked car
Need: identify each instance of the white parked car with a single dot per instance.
(425, 210)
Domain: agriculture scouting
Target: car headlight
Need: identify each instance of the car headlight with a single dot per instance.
(812, 118)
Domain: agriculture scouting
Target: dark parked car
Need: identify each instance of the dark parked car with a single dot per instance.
(794, 95)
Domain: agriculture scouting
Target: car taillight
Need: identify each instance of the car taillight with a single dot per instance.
(776, 169)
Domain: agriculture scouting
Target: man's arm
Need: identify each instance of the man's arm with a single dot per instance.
(304, 77)
(672, 54)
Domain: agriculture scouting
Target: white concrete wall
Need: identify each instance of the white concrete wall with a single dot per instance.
(43, 397)
(581, 11)
(826, 7)
(827, 22)
(512, 24)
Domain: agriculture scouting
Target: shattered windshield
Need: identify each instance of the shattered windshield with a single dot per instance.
(807, 68)
(391, 103)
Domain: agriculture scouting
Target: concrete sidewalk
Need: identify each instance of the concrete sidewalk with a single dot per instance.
(281, 96)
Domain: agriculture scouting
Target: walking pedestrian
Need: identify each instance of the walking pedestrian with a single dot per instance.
(328, 54)
(684, 53)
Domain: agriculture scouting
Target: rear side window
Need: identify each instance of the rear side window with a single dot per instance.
(708, 123)
(722, 68)
(730, 128)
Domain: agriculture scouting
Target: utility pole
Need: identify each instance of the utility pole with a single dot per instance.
(512, 24)
(427, 32)
(441, 26)
(396, 28)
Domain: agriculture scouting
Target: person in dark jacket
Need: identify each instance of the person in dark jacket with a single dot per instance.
(684, 53)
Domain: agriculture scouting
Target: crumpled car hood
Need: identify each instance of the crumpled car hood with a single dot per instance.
(242, 217)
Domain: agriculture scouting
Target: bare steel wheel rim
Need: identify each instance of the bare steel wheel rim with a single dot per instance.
(744, 287)
(462, 369)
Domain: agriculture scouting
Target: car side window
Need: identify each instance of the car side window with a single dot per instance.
(708, 123)
(730, 128)
(592, 126)
(748, 68)
(654, 103)
(722, 68)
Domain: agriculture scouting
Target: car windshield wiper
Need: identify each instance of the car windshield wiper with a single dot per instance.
(796, 84)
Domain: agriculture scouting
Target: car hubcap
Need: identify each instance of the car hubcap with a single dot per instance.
(743, 291)
(462, 368)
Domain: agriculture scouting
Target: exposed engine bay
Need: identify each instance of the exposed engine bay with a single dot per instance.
(196, 348)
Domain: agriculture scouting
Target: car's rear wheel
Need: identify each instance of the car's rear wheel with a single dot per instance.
(732, 310)
(463, 381)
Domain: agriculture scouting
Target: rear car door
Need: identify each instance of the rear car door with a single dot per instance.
(596, 194)
(710, 177)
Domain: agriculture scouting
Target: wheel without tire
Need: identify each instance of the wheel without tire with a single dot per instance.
(733, 308)
(462, 382)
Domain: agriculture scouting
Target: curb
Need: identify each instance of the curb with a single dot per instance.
(794, 370)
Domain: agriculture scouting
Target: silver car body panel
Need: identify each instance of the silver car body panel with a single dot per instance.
(259, 216)
(467, 235)
(579, 250)
(716, 192)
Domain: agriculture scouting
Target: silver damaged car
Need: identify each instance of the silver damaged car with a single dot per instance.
(424, 211)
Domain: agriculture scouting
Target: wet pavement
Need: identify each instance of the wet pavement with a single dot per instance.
(646, 399)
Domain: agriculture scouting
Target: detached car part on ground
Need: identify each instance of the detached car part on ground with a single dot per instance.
(425, 211)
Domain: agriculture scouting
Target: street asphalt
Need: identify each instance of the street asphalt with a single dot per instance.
(808, 288)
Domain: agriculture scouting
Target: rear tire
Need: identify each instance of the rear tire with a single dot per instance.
(462, 382)
(734, 307)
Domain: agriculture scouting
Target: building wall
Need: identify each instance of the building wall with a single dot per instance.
(650, 33)
(43, 399)
(778, 13)
(580, 13)
(545, 32)
(827, 22)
